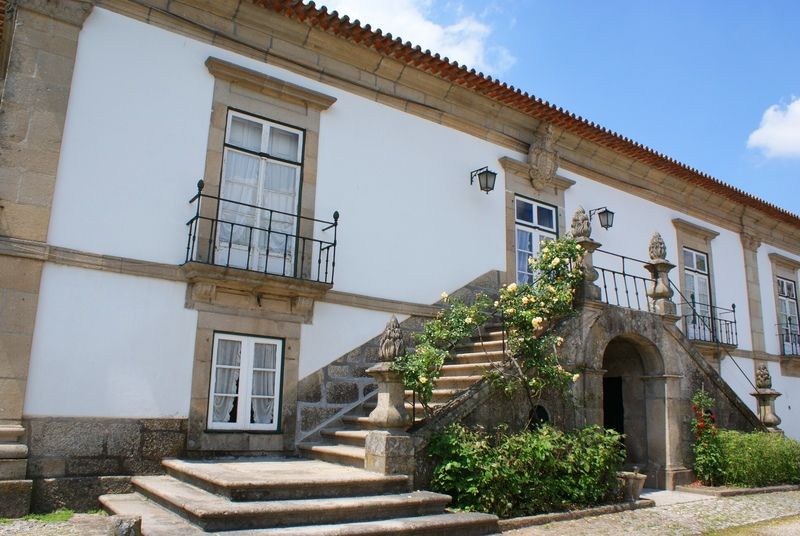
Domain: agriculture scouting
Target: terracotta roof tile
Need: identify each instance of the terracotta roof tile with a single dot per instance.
(510, 96)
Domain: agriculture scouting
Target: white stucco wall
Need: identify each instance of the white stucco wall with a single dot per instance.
(737, 380)
(110, 345)
(135, 142)
(787, 406)
(335, 330)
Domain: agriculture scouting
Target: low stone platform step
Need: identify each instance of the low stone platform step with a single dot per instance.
(213, 512)
(363, 420)
(461, 524)
(156, 520)
(438, 396)
(355, 438)
(342, 454)
(276, 478)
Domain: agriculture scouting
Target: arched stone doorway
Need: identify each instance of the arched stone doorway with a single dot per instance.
(633, 402)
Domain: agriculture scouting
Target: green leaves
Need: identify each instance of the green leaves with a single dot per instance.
(529, 472)
(759, 459)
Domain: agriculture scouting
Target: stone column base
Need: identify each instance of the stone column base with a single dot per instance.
(15, 497)
(389, 453)
(675, 476)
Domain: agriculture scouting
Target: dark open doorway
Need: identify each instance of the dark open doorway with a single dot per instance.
(613, 405)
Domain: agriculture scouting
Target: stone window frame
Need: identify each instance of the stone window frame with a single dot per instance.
(280, 343)
(784, 268)
(252, 303)
(519, 183)
(698, 238)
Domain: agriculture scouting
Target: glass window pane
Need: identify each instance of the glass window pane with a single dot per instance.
(545, 217)
(225, 409)
(229, 352)
(263, 383)
(688, 259)
(262, 411)
(524, 211)
(284, 144)
(700, 263)
(264, 356)
(245, 134)
(524, 240)
(226, 381)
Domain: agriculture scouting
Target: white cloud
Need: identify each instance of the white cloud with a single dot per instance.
(779, 132)
(466, 40)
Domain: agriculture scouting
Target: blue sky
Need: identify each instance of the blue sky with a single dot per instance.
(694, 80)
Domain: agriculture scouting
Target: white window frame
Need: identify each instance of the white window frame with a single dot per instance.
(789, 338)
(244, 393)
(540, 233)
(264, 159)
(699, 331)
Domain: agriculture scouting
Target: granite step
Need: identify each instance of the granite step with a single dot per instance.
(495, 343)
(464, 369)
(355, 438)
(277, 478)
(491, 356)
(448, 524)
(458, 382)
(158, 521)
(214, 512)
(341, 454)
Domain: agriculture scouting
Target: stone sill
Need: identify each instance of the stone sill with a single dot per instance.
(709, 346)
(253, 282)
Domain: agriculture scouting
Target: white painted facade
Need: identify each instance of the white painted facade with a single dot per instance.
(411, 226)
(110, 345)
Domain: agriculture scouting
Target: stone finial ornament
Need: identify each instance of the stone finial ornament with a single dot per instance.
(392, 344)
(581, 227)
(763, 377)
(542, 159)
(657, 249)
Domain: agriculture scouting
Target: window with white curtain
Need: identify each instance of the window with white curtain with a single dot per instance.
(261, 169)
(535, 223)
(697, 287)
(788, 322)
(245, 383)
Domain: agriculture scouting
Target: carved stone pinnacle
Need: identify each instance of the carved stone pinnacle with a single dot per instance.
(763, 377)
(581, 227)
(657, 249)
(392, 343)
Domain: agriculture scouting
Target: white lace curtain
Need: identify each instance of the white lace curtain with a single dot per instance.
(226, 383)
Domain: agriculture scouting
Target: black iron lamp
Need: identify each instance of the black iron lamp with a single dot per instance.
(486, 178)
(605, 216)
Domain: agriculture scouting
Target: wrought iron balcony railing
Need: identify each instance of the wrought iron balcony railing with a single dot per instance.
(789, 334)
(624, 285)
(709, 323)
(233, 234)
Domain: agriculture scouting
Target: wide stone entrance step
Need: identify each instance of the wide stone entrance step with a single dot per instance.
(254, 496)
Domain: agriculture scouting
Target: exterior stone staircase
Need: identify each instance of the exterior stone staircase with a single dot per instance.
(287, 496)
(343, 442)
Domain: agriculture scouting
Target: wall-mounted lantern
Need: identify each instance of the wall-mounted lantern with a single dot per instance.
(605, 216)
(486, 178)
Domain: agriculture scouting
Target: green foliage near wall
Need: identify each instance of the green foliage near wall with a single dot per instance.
(527, 473)
(759, 459)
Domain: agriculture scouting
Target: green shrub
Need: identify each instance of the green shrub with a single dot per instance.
(706, 448)
(759, 459)
(526, 473)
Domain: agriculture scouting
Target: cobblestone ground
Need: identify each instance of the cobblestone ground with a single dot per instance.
(680, 519)
(79, 525)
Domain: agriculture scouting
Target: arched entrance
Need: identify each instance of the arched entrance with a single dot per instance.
(634, 403)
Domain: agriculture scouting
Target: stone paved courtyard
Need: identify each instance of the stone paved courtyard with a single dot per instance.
(696, 517)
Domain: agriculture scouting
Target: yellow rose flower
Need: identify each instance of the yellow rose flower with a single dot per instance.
(444, 296)
(575, 377)
(468, 320)
(554, 262)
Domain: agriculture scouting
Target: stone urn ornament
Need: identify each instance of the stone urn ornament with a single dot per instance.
(659, 290)
(765, 395)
